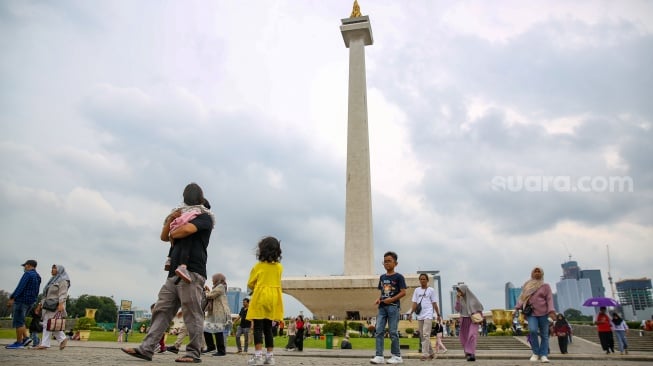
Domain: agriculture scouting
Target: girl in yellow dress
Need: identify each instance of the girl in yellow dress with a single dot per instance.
(266, 303)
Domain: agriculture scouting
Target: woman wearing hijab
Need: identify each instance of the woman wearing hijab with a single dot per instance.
(55, 290)
(620, 328)
(539, 295)
(218, 315)
(562, 329)
(467, 304)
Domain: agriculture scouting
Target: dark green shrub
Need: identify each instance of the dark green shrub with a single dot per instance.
(335, 328)
(85, 323)
(354, 326)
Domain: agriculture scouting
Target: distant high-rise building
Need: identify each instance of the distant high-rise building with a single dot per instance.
(570, 270)
(576, 286)
(572, 293)
(635, 292)
(512, 295)
(596, 282)
(235, 296)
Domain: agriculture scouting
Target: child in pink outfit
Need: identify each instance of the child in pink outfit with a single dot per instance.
(188, 213)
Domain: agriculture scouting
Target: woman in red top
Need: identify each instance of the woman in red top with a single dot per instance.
(605, 330)
(299, 336)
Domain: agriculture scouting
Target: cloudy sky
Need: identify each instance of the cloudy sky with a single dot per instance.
(503, 136)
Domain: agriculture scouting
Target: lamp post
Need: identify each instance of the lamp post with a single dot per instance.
(436, 276)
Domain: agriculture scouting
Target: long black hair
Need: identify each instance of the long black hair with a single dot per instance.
(193, 195)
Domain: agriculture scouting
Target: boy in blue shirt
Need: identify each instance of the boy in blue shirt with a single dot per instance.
(393, 288)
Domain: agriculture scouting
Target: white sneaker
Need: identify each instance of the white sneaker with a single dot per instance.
(256, 360)
(377, 360)
(544, 359)
(269, 360)
(395, 359)
(534, 358)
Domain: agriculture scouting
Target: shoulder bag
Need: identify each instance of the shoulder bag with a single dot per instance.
(50, 304)
(527, 308)
(58, 323)
(418, 308)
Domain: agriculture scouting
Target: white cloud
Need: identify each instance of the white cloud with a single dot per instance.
(107, 115)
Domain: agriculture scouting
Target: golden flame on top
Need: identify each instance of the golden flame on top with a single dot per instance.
(356, 11)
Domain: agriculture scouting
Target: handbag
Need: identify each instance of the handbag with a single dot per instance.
(418, 308)
(50, 304)
(527, 309)
(477, 318)
(58, 323)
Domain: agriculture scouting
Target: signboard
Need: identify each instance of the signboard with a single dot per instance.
(125, 319)
(125, 305)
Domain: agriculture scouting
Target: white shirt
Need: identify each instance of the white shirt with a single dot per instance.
(426, 297)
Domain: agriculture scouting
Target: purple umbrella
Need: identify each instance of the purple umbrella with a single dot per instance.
(600, 301)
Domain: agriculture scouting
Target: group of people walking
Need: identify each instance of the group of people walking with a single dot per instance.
(206, 313)
(606, 325)
(52, 305)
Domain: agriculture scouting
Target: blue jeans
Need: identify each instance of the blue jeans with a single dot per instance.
(35, 338)
(389, 314)
(621, 338)
(18, 315)
(540, 323)
(226, 332)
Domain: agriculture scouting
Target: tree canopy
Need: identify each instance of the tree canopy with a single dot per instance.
(576, 315)
(107, 309)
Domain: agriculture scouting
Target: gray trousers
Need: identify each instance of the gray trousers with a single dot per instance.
(242, 331)
(172, 295)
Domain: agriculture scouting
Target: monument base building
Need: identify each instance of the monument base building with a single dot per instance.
(343, 297)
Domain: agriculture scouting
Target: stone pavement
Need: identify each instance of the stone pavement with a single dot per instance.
(582, 353)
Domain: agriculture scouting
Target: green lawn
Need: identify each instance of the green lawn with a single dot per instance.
(280, 342)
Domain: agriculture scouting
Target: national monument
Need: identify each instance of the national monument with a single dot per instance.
(353, 293)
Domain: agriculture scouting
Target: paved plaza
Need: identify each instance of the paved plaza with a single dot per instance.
(109, 354)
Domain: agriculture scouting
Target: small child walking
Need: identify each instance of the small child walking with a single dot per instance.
(266, 303)
(393, 288)
(35, 326)
(439, 333)
(121, 334)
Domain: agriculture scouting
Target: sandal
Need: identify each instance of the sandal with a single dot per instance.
(63, 343)
(136, 353)
(188, 359)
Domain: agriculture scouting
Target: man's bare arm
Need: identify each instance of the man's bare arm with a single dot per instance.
(165, 230)
(183, 231)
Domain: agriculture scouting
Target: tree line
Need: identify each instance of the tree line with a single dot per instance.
(107, 309)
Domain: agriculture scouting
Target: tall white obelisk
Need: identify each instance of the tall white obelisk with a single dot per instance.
(349, 295)
(359, 244)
